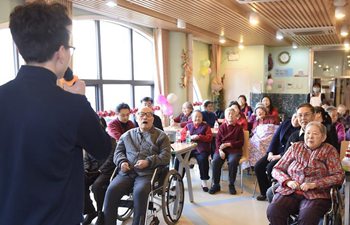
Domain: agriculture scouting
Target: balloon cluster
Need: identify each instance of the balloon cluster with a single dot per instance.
(197, 103)
(205, 68)
(106, 113)
(165, 103)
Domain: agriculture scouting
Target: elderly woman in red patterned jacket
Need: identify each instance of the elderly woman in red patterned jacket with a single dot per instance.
(306, 173)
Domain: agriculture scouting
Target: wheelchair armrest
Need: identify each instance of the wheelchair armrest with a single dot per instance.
(158, 175)
(114, 174)
(335, 199)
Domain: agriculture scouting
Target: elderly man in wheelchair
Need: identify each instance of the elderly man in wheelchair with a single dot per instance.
(139, 152)
(306, 173)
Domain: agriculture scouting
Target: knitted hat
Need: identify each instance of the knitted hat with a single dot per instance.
(261, 106)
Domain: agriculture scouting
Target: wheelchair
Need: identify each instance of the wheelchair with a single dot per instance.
(334, 214)
(167, 195)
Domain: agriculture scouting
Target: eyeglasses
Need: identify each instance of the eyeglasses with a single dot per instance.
(71, 49)
(147, 114)
(305, 115)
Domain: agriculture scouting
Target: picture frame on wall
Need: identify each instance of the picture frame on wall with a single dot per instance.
(232, 56)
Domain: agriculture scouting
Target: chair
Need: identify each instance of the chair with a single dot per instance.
(344, 145)
(244, 158)
(167, 195)
(245, 155)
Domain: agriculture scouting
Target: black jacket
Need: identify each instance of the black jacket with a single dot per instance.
(42, 133)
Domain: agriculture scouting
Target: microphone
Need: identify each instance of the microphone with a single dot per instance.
(68, 78)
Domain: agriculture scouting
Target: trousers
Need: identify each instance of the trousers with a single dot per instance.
(233, 162)
(124, 184)
(98, 184)
(310, 210)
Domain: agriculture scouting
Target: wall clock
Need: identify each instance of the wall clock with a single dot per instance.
(284, 57)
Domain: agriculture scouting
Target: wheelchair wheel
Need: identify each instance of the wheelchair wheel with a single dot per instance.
(172, 197)
(126, 208)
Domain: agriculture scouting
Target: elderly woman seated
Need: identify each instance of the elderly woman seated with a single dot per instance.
(184, 117)
(306, 173)
(264, 127)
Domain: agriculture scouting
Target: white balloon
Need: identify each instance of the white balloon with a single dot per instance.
(171, 98)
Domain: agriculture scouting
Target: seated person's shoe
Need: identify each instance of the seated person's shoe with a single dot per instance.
(100, 218)
(88, 218)
(205, 189)
(232, 189)
(215, 188)
(261, 198)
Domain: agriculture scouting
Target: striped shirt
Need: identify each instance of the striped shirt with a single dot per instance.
(303, 165)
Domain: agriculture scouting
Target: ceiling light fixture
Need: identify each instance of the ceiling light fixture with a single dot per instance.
(111, 4)
(294, 45)
(344, 31)
(279, 35)
(181, 24)
(339, 12)
(346, 44)
(253, 19)
(222, 39)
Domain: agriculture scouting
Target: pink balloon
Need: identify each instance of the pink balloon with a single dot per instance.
(161, 100)
(168, 109)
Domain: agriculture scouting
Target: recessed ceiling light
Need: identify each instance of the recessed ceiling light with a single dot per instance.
(346, 44)
(294, 45)
(315, 62)
(339, 12)
(253, 19)
(344, 31)
(111, 3)
(279, 35)
(320, 66)
(222, 39)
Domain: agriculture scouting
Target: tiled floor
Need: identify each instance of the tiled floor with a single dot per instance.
(221, 208)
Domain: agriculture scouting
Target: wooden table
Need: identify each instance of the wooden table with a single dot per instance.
(182, 152)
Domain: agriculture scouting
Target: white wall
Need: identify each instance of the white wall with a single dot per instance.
(244, 75)
(299, 64)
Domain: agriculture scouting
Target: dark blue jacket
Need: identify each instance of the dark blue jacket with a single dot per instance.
(42, 133)
(280, 138)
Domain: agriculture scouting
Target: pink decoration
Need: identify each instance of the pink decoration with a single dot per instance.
(270, 81)
(167, 109)
(161, 100)
(155, 108)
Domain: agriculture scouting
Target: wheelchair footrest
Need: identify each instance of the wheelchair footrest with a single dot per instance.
(126, 203)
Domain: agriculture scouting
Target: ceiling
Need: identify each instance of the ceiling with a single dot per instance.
(309, 23)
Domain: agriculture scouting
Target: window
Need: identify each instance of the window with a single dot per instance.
(7, 57)
(143, 62)
(141, 92)
(90, 93)
(85, 59)
(115, 52)
(117, 63)
(113, 94)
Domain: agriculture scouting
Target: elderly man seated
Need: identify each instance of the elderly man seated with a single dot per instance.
(306, 172)
(138, 153)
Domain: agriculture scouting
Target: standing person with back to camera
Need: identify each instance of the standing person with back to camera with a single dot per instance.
(43, 127)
